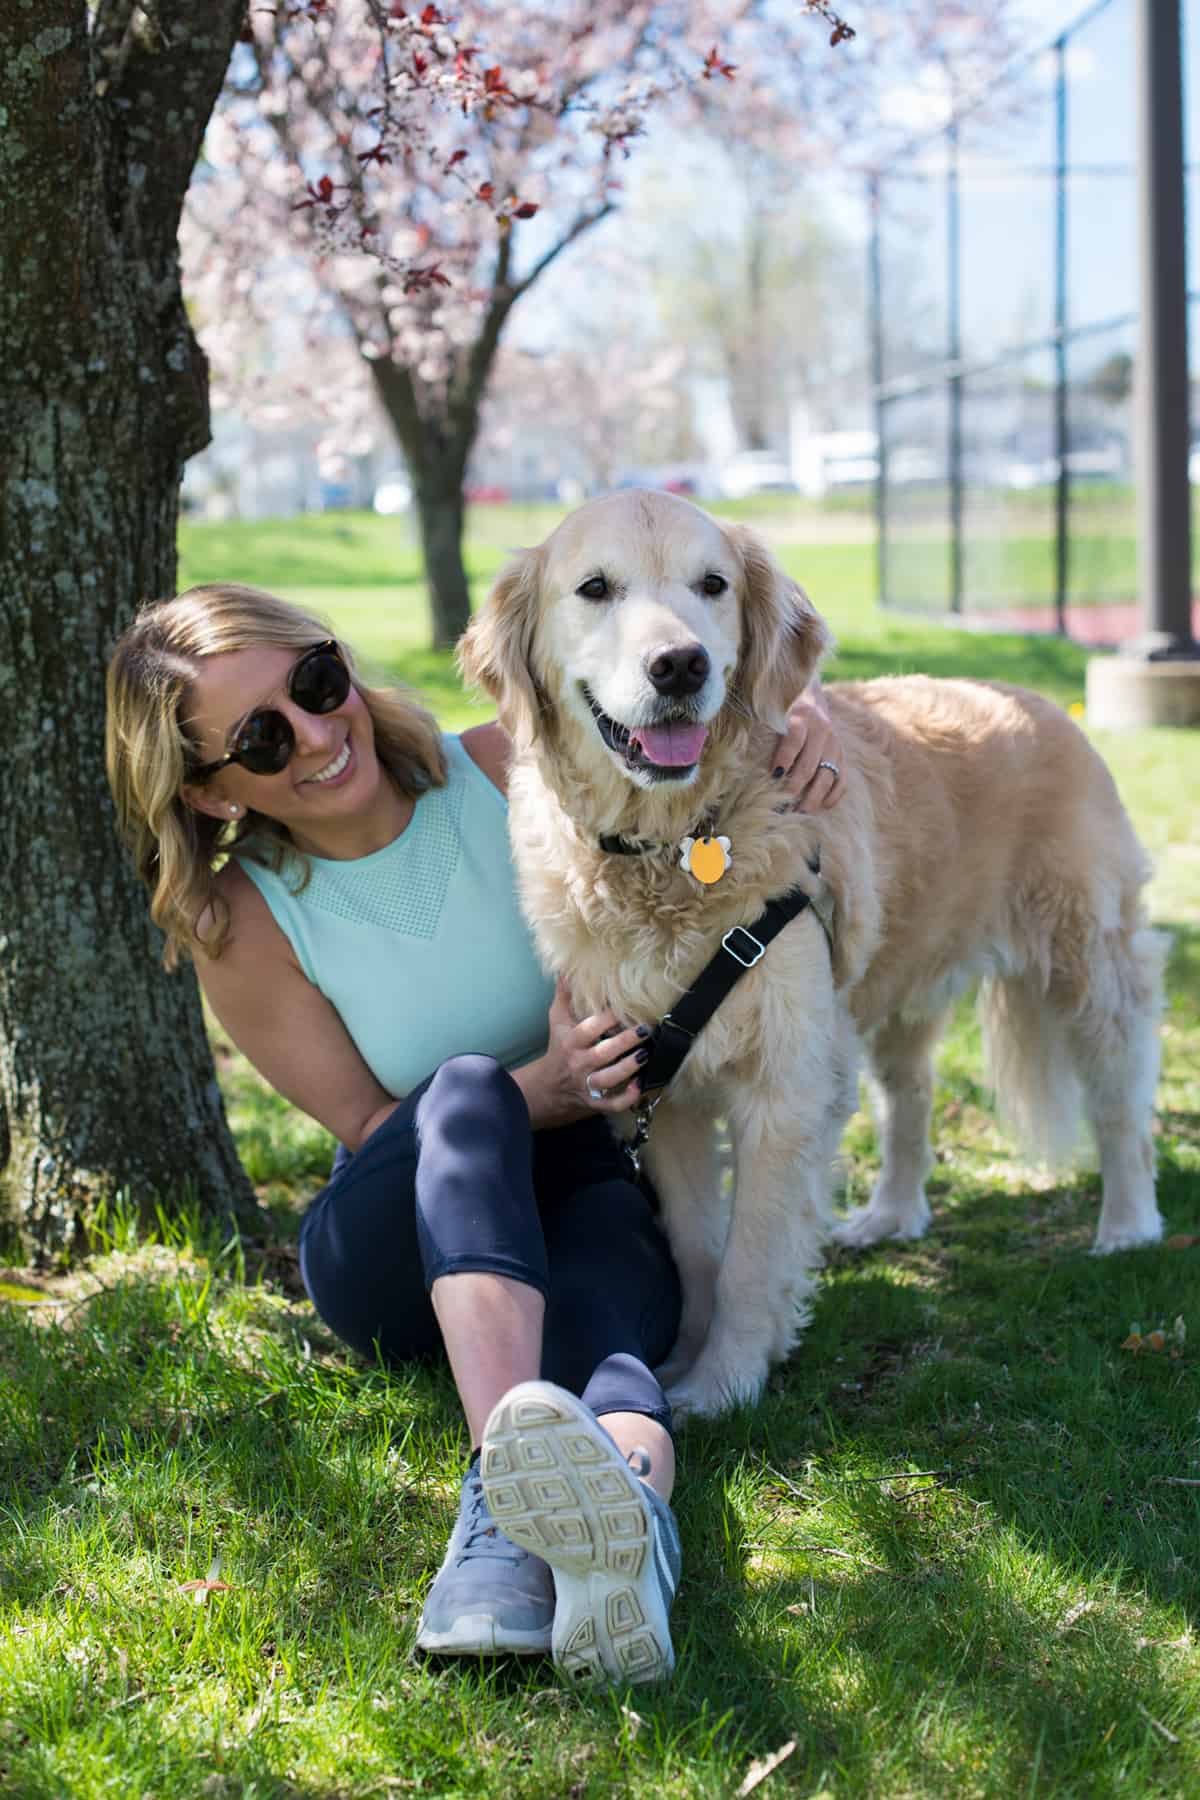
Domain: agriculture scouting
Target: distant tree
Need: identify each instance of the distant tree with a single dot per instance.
(763, 291)
(591, 410)
(1112, 381)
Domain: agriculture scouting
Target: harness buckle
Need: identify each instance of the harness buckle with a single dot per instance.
(757, 953)
(643, 1114)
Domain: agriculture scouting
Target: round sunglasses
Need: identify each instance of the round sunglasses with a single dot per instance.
(319, 683)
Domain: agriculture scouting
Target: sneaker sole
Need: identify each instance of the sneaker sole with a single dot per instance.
(476, 1634)
(555, 1486)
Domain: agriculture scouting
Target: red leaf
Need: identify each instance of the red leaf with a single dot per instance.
(487, 191)
(526, 210)
(459, 156)
(714, 65)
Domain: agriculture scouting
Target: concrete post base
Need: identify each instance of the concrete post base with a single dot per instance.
(1124, 692)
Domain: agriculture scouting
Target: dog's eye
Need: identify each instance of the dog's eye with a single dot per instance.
(595, 588)
(714, 583)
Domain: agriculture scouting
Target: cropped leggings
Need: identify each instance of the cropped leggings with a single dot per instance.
(457, 1180)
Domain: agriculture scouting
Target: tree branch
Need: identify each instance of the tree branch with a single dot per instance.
(169, 68)
(583, 223)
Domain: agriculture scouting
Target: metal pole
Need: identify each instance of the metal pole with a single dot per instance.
(1062, 435)
(954, 351)
(1164, 431)
(875, 286)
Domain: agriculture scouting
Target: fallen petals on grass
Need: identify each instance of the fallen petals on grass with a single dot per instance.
(758, 1772)
(1157, 1340)
(211, 1584)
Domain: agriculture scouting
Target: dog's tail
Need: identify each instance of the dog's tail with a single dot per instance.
(1031, 1068)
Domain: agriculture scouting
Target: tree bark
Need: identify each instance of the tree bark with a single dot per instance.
(437, 451)
(106, 1081)
(441, 514)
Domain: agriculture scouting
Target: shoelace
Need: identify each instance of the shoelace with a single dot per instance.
(485, 1539)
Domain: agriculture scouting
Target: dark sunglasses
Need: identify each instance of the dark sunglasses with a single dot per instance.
(319, 683)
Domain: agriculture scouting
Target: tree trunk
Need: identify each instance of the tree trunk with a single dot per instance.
(441, 511)
(106, 1081)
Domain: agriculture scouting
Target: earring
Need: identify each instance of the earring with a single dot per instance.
(234, 811)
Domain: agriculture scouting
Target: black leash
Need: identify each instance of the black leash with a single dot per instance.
(741, 948)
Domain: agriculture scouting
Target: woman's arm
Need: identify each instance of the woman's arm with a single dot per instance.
(282, 1024)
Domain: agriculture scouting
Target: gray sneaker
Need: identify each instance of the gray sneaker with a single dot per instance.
(490, 1597)
(560, 1486)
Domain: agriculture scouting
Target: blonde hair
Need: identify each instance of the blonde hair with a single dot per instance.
(177, 851)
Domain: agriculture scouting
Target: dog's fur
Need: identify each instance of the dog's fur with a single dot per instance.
(979, 836)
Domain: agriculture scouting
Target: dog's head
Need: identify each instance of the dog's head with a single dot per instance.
(643, 631)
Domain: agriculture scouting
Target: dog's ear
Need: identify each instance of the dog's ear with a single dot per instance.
(782, 638)
(496, 650)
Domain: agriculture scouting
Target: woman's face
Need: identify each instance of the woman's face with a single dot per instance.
(333, 772)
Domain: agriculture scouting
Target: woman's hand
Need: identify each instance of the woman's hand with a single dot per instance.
(808, 758)
(590, 1066)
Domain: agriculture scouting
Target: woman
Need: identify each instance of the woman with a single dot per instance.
(340, 871)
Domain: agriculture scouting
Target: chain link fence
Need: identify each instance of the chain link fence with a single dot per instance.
(1004, 322)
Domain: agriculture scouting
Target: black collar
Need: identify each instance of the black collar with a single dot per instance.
(613, 844)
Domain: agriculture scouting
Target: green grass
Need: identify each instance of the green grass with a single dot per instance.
(1018, 1622)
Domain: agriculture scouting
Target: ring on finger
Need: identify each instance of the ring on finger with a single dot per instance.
(594, 1093)
(831, 766)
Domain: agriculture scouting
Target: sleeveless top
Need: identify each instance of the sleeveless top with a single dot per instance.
(421, 946)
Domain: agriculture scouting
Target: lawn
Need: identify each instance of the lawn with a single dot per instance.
(952, 1552)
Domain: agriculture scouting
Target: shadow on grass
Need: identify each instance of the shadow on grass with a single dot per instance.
(155, 1428)
(1016, 1611)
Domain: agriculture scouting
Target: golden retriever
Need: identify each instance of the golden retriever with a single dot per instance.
(642, 659)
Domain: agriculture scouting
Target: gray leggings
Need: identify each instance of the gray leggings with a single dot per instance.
(457, 1180)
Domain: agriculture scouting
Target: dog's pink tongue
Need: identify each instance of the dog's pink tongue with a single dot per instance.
(671, 746)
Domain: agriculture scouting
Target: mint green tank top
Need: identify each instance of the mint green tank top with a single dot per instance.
(421, 946)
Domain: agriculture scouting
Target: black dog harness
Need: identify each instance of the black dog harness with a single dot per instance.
(741, 948)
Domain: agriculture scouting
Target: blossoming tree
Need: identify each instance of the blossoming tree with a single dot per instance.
(426, 172)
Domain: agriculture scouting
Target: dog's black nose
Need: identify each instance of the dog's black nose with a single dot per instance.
(680, 671)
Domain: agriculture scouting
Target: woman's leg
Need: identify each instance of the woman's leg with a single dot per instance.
(429, 1236)
(614, 1293)
(440, 1198)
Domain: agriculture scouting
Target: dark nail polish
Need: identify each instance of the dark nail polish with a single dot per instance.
(776, 773)
(643, 1031)
(643, 1056)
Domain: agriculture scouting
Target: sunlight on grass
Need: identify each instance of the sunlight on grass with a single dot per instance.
(951, 1553)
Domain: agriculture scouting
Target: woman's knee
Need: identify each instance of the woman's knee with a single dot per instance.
(474, 1082)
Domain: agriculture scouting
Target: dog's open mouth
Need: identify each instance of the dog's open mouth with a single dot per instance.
(666, 751)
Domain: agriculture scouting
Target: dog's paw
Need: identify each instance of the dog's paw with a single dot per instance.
(868, 1225)
(1127, 1237)
(711, 1387)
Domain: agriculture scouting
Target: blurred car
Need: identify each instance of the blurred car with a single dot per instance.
(486, 493)
(668, 478)
(1090, 457)
(393, 494)
(756, 472)
(335, 496)
(910, 464)
(829, 460)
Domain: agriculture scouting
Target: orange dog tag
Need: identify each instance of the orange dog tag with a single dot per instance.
(706, 858)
